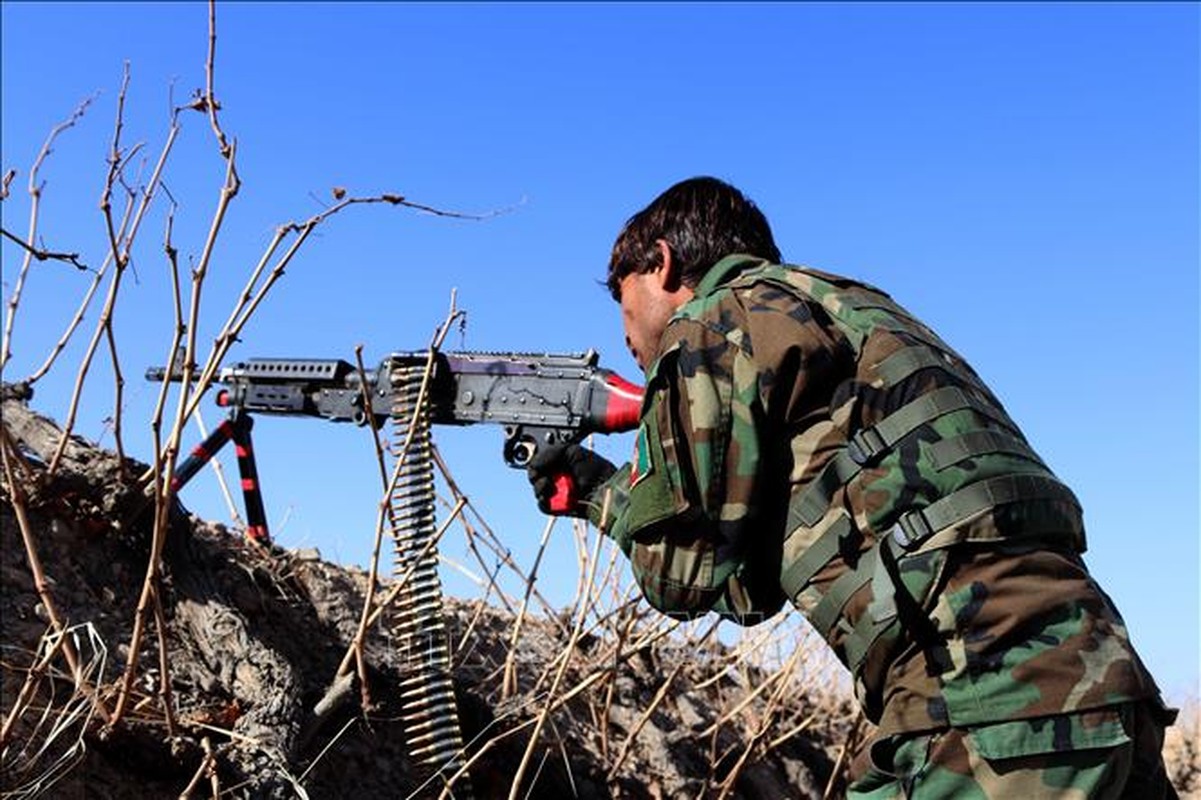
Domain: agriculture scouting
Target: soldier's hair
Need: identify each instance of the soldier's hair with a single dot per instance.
(702, 220)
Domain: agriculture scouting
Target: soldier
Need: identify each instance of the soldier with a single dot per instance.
(806, 439)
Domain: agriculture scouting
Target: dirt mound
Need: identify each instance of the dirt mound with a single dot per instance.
(250, 642)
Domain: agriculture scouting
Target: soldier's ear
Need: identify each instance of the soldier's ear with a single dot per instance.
(668, 271)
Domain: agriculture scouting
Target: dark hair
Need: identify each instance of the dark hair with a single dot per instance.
(702, 220)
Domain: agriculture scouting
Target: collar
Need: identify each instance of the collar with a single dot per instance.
(725, 271)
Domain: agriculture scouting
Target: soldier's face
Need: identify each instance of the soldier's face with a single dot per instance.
(648, 300)
(644, 315)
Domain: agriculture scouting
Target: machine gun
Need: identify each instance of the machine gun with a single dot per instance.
(539, 400)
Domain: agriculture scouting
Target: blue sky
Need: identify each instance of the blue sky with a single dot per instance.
(1023, 176)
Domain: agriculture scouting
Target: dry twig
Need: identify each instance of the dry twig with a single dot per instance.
(119, 253)
(575, 633)
(31, 252)
(19, 500)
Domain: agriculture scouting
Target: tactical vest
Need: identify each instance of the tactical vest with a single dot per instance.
(983, 481)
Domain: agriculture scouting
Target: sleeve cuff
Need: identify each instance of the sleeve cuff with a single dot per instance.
(610, 500)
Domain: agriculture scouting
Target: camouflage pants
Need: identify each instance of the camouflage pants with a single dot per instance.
(1107, 753)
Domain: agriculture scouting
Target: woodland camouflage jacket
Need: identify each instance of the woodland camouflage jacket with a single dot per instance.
(805, 439)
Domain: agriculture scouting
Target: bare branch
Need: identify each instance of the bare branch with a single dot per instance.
(509, 682)
(128, 230)
(103, 327)
(10, 456)
(163, 493)
(35, 194)
(45, 255)
(210, 99)
(582, 612)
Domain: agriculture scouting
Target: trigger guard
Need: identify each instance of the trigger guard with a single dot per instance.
(520, 448)
(520, 454)
(522, 443)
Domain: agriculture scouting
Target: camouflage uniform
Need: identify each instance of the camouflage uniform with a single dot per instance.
(804, 438)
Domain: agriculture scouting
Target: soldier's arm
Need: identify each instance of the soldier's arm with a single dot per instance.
(700, 509)
(684, 508)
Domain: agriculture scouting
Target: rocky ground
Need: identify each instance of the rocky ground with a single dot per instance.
(251, 641)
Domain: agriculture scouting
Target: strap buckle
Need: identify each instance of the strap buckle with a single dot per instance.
(866, 447)
(911, 529)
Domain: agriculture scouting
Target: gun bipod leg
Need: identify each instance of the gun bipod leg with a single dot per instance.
(256, 515)
(236, 427)
(201, 454)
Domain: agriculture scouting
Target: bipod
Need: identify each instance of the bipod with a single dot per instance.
(236, 427)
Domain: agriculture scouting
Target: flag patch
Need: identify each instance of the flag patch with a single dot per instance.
(641, 462)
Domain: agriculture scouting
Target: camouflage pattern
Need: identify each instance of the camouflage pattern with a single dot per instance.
(1112, 752)
(761, 382)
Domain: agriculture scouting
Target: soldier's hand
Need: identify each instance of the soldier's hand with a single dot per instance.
(565, 477)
